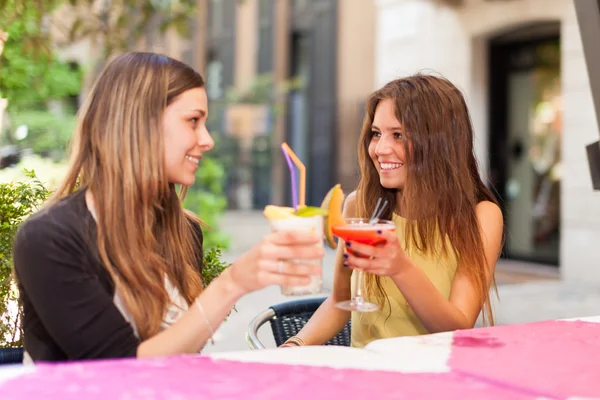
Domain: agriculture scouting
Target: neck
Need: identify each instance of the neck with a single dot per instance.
(398, 209)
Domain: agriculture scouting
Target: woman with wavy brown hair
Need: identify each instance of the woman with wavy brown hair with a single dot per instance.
(435, 272)
(111, 266)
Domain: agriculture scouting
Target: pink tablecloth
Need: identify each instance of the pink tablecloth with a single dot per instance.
(550, 360)
(555, 358)
(203, 378)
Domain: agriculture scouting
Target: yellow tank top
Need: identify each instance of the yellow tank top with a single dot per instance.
(395, 317)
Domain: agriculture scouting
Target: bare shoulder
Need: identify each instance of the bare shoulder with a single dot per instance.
(489, 216)
(350, 205)
(487, 210)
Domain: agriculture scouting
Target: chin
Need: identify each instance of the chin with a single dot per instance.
(184, 181)
(391, 184)
(188, 182)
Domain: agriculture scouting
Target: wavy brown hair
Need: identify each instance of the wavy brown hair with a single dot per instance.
(144, 234)
(443, 185)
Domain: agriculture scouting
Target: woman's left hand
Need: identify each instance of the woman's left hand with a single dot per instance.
(387, 259)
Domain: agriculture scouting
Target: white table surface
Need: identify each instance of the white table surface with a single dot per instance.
(323, 356)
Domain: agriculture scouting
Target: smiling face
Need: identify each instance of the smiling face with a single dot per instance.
(387, 146)
(186, 138)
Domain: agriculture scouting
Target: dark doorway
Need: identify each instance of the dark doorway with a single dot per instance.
(525, 139)
(312, 105)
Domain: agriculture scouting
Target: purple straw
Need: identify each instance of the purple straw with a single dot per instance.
(293, 176)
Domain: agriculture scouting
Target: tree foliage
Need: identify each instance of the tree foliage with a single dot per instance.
(30, 74)
(117, 23)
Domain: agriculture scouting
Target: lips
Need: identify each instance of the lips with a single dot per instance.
(193, 159)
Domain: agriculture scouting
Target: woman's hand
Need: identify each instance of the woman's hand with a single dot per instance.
(387, 259)
(267, 263)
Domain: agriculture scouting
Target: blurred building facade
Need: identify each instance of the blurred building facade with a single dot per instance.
(319, 56)
(521, 66)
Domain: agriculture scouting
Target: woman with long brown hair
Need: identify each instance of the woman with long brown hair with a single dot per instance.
(435, 272)
(111, 266)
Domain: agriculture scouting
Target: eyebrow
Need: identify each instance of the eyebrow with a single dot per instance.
(202, 112)
(391, 128)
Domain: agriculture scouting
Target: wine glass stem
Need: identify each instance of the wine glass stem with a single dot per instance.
(358, 297)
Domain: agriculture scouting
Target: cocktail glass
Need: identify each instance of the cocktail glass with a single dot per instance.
(361, 231)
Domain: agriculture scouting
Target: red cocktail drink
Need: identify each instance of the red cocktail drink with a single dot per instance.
(361, 231)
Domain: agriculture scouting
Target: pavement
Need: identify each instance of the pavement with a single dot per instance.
(527, 292)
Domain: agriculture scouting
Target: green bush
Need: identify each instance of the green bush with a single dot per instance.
(206, 198)
(17, 201)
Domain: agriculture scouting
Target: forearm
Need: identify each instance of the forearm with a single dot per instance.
(191, 332)
(436, 313)
(325, 323)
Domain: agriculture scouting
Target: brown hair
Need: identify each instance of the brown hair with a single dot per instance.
(144, 234)
(443, 185)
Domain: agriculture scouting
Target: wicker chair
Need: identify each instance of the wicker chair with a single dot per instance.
(287, 319)
(11, 355)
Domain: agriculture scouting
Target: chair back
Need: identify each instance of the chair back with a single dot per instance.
(290, 318)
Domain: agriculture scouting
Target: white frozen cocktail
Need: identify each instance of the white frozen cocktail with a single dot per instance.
(286, 219)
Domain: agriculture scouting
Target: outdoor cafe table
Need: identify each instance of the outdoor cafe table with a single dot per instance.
(544, 360)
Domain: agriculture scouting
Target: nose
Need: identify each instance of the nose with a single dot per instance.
(383, 146)
(205, 140)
